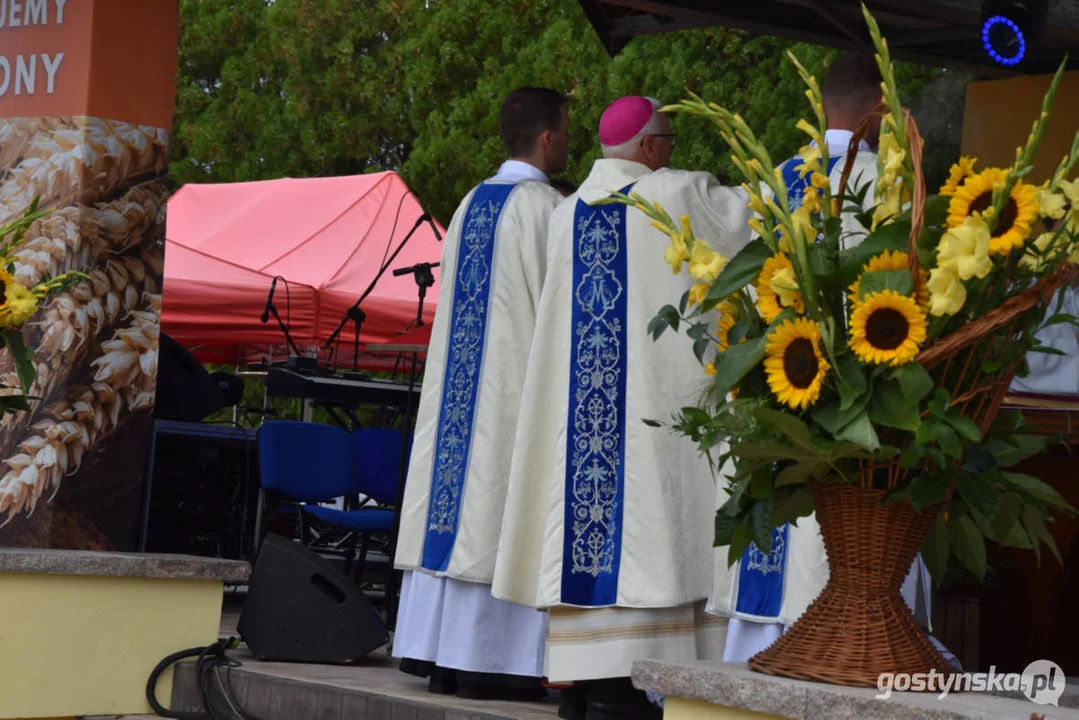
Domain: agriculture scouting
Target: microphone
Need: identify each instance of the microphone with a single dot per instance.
(269, 301)
(413, 268)
(427, 216)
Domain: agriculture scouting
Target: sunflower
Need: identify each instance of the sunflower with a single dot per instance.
(1017, 218)
(887, 328)
(794, 364)
(959, 172)
(893, 260)
(727, 318)
(769, 301)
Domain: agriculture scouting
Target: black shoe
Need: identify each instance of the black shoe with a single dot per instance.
(574, 703)
(419, 668)
(617, 699)
(443, 681)
(485, 691)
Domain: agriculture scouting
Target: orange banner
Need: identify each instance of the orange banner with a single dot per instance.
(113, 59)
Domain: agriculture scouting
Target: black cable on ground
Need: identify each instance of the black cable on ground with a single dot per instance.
(212, 695)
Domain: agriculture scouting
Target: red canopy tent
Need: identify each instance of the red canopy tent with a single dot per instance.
(327, 237)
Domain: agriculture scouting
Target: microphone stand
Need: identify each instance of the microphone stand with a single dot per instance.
(284, 330)
(354, 313)
(424, 280)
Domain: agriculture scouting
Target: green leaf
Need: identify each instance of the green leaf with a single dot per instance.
(1039, 489)
(898, 281)
(936, 210)
(912, 455)
(760, 486)
(786, 424)
(796, 504)
(928, 431)
(914, 380)
(830, 417)
(652, 423)
(979, 493)
(667, 317)
(802, 472)
(935, 548)
(1011, 506)
(23, 356)
(852, 383)
(724, 530)
(14, 403)
(762, 525)
(926, 490)
(891, 407)
(733, 364)
(683, 303)
(939, 404)
(1018, 538)
(860, 432)
(742, 269)
(743, 535)
(696, 416)
(969, 544)
(1016, 449)
(949, 441)
(1035, 525)
(1047, 350)
(963, 425)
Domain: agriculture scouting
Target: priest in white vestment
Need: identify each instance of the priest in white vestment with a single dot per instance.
(493, 267)
(763, 596)
(608, 521)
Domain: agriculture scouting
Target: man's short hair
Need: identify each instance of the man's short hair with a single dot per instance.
(853, 81)
(563, 186)
(526, 114)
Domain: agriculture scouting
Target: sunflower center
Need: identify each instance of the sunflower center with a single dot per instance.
(800, 363)
(886, 329)
(1008, 216)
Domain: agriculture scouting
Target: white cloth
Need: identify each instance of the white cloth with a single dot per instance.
(667, 512)
(518, 267)
(458, 625)
(604, 642)
(449, 617)
(1055, 374)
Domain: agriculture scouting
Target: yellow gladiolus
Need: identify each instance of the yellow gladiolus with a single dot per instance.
(811, 156)
(811, 200)
(965, 250)
(785, 286)
(819, 180)
(705, 264)
(677, 253)
(946, 292)
(698, 293)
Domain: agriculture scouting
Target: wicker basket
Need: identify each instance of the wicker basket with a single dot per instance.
(859, 626)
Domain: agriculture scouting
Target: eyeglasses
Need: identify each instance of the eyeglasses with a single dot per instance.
(671, 137)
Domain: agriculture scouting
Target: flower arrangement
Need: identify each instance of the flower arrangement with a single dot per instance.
(875, 358)
(20, 304)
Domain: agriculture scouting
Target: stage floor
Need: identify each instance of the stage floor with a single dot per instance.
(372, 689)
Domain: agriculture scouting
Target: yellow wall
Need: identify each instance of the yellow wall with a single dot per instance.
(999, 115)
(85, 645)
(679, 709)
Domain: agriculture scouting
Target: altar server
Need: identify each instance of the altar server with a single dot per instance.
(608, 521)
(761, 595)
(493, 266)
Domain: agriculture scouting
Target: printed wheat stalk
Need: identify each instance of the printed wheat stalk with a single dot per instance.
(123, 381)
(75, 237)
(18, 134)
(67, 326)
(82, 163)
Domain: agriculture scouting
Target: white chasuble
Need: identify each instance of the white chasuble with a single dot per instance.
(604, 511)
(493, 266)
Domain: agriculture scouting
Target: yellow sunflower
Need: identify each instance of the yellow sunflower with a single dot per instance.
(794, 364)
(1017, 219)
(893, 260)
(887, 328)
(727, 318)
(770, 301)
(959, 172)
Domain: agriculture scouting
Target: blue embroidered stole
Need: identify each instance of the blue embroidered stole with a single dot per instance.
(761, 577)
(460, 382)
(595, 436)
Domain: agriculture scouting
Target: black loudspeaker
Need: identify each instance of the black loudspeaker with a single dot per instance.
(300, 608)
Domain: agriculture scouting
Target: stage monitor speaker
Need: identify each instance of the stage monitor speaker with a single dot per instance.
(299, 608)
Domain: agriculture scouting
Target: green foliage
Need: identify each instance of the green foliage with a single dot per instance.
(306, 88)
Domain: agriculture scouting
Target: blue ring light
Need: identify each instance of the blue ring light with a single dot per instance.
(1002, 24)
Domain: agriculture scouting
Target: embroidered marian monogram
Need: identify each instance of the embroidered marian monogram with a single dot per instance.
(597, 408)
(771, 563)
(471, 290)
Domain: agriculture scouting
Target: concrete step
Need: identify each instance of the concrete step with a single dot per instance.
(372, 690)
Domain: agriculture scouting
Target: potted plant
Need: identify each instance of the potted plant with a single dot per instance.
(862, 384)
